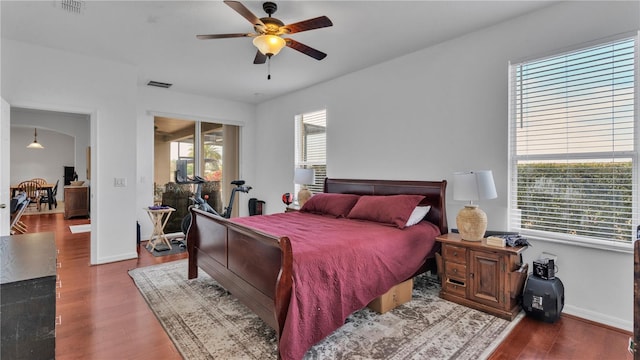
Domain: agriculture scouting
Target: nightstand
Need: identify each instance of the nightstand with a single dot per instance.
(482, 277)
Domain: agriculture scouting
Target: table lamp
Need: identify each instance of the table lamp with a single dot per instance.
(472, 186)
(304, 177)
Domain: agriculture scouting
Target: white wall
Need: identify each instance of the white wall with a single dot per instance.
(445, 109)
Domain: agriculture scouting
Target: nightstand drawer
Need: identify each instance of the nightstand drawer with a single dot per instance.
(455, 270)
(456, 287)
(454, 253)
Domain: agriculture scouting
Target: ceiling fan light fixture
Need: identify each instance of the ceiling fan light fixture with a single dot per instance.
(269, 45)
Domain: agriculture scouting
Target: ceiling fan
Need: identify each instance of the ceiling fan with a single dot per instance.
(269, 30)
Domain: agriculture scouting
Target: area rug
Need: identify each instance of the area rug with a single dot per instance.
(80, 228)
(205, 321)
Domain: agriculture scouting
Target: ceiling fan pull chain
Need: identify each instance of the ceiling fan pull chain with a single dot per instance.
(269, 68)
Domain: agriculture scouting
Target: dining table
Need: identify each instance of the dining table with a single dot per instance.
(46, 187)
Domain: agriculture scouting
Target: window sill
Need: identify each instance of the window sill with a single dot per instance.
(582, 242)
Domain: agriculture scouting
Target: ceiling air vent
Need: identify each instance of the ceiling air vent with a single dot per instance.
(159, 84)
(72, 6)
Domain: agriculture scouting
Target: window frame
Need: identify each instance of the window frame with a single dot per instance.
(561, 238)
(298, 152)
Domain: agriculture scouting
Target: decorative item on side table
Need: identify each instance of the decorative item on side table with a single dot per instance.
(471, 186)
(304, 177)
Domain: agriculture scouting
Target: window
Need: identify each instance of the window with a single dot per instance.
(211, 149)
(311, 146)
(573, 152)
(181, 150)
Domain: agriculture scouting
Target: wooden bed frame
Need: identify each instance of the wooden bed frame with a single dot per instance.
(257, 267)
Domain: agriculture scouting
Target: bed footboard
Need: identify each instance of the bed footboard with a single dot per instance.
(255, 267)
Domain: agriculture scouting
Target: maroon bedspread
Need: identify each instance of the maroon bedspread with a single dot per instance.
(339, 266)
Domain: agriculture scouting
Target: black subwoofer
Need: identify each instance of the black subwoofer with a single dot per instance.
(543, 299)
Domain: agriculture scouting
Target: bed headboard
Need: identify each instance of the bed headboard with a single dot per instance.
(434, 192)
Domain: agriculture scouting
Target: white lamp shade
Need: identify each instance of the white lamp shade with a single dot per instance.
(269, 44)
(304, 176)
(474, 185)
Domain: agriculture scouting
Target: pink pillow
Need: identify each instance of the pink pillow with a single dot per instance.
(390, 209)
(337, 205)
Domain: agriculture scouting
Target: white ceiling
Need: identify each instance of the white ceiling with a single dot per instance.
(158, 37)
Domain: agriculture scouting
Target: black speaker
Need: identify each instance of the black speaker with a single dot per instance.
(543, 299)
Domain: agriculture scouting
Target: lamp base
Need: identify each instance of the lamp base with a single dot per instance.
(303, 195)
(472, 223)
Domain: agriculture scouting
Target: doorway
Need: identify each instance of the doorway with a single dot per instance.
(210, 151)
(65, 138)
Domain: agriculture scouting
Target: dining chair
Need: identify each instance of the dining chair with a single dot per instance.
(40, 181)
(44, 198)
(32, 189)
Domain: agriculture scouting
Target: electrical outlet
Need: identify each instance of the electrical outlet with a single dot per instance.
(119, 182)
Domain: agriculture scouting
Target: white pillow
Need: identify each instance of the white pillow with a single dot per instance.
(417, 215)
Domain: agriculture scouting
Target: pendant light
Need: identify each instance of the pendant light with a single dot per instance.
(35, 144)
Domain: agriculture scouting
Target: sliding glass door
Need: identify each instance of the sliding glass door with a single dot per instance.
(210, 151)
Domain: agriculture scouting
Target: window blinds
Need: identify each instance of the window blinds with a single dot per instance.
(311, 146)
(572, 143)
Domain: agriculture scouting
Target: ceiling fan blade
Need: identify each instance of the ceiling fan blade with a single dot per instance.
(246, 13)
(260, 58)
(316, 54)
(315, 23)
(222, 36)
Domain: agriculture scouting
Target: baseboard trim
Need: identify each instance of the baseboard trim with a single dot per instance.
(121, 257)
(599, 319)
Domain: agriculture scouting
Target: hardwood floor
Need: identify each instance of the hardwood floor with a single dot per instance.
(103, 316)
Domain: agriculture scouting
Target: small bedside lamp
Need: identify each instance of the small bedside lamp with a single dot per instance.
(304, 177)
(471, 186)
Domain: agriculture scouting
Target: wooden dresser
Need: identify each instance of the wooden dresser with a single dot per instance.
(28, 296)
(76, 201)
(482, 277)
